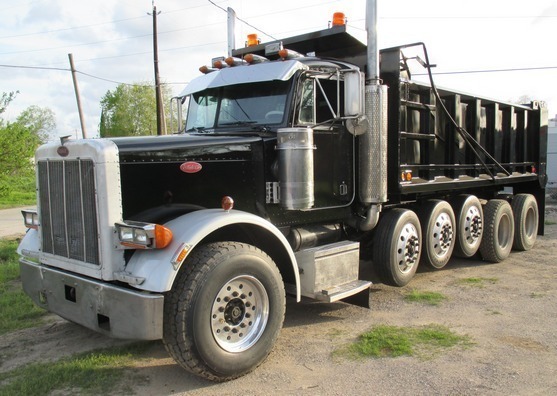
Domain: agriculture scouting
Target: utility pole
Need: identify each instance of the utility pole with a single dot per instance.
(77, 97)
(161, 130)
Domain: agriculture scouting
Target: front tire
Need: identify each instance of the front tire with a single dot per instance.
(397, 246)
(225, 310)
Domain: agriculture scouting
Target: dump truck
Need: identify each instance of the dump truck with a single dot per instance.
(296, 162)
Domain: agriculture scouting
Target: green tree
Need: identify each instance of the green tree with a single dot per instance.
(130, 110)
(5, 100)
(17, 145)
(19, 140)
(39, 120)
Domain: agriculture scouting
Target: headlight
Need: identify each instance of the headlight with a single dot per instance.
(30, 218)
(137, 235)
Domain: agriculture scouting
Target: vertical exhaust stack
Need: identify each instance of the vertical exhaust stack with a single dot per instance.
(231, 25)
(372, 69)
(373, 143)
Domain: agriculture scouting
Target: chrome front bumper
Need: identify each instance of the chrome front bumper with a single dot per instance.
(109, 309)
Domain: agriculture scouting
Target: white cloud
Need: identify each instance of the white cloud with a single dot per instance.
(112, 40)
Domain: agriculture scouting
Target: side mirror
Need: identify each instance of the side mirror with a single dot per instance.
(353, 94)
(176, 121)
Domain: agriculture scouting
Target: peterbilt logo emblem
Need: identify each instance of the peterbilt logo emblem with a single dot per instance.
(190, 167)
(62, 151)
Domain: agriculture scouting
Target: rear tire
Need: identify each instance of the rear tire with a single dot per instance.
(526, 217)
(499, 231)
(225, 310)
(397, 246)
(469, 225)
(438, 231)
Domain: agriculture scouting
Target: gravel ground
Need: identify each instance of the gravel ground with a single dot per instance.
(511, 319)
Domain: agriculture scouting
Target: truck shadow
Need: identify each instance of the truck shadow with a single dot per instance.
(368, 272)
(309, 312)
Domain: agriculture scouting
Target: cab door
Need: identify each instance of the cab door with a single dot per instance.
(321, 99)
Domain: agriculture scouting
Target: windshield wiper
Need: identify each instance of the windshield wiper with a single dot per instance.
(196, 129)
(239, 123)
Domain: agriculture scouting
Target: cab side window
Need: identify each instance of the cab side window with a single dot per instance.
(319, 101)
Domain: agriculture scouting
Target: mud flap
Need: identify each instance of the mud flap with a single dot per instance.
(360, 299)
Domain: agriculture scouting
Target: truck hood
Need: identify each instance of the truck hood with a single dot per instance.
(194, 144)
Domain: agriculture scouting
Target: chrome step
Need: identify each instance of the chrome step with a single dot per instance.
(343, 291)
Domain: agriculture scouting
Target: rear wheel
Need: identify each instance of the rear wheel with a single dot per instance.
(397, 246)
(525, 212)
(438, 225)
(469, 225)
(499, 231)
(225, 310)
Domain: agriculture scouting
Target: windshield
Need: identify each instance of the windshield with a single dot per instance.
(261, 103)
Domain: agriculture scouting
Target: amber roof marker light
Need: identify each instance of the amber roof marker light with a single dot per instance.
(339, 19)
(252, 40)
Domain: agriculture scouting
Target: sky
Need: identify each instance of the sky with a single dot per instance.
(512, 43)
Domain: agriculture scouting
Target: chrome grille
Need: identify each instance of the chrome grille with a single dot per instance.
(68, 209)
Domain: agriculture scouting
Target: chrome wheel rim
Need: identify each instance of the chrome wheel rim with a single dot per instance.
(442, 235)
(239, 313)
(408, 248)
(473, 225)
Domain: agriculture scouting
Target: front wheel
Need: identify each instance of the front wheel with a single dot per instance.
(225, 311)
(397, 246)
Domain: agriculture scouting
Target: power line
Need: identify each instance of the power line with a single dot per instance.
(93, 25)
(469, 17)
(73, 45)
(489, 70)
(294, 9)
(87, 74)
(108, 41)
(34, 67)
(64, 69)
(144, 53)
(243, 21)
(106, 79)
(172, 83)
(70, 28)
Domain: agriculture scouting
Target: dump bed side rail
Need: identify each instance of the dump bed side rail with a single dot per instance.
(506, 144)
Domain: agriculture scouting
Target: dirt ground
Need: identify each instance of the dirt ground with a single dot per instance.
(511, 319)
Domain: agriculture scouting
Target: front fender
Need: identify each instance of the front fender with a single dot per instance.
(155, 266)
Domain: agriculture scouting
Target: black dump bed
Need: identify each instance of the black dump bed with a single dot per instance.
(490, 143)
(452, 142)
(467, 142)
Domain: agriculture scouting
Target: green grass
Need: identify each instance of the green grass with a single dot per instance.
(392, 341)
(477, 282)
(9, 268)
(425, 297)
(106, 371)
(91, 373)
(17, 311)
(17, 191)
